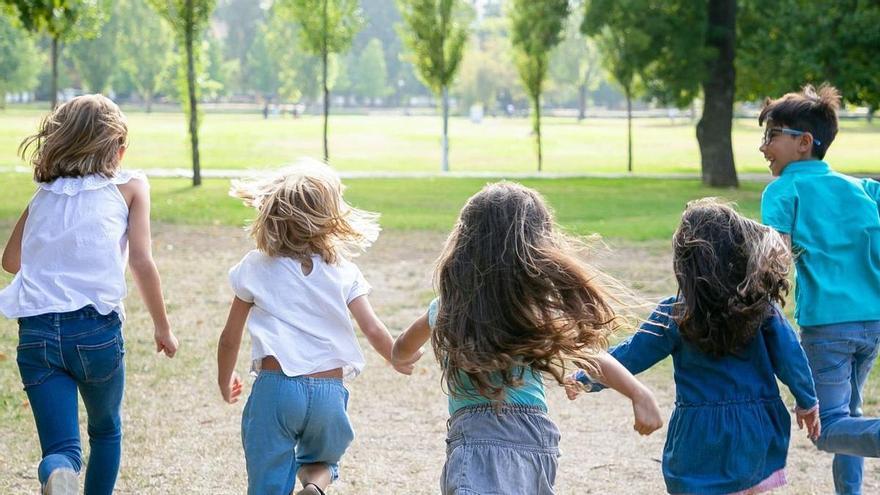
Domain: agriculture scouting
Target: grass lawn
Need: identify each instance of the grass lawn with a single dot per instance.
(397, 143)
(631, 209)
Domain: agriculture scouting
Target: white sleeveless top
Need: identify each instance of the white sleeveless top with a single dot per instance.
(74, 248)
(301, 320)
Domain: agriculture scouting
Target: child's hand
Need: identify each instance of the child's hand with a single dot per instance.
(165, 342)
(648, 418)
(573, 387)
(810, 419)
(232, 389)
(407, 367)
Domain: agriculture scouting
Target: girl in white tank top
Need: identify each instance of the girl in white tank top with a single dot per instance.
(68, 253)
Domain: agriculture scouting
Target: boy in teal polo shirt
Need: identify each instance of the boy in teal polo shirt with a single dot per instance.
(833, 224)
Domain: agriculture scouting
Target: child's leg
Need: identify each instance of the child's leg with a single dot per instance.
(326, 435)
(51, 393)
(270, 425)
(841, 357)
(93, 353)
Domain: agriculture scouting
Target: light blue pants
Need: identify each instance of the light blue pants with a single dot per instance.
(59, 354)
(291, 421)
(841, 357)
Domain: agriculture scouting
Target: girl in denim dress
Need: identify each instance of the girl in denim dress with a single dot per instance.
(515, 304)
(295, 292)
(68, 253)
(729, 342)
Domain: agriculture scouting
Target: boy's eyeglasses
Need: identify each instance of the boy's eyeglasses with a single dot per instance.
(772, 132)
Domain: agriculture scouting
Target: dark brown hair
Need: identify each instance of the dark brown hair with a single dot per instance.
(81, 137)
(811, 110)
(513, 293)
(730, 270)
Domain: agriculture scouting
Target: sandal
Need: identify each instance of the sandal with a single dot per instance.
(311, 489)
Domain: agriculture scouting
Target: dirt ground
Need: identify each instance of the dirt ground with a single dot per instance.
(180, 438)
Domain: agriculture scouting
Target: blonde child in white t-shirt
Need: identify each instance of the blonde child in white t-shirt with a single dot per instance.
(295, 292)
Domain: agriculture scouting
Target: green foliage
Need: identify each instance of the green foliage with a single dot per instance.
(372, 76)
(784, 44)
(434, 33)
(332, 33)
(97, 59)
(18, 57)
(536, 27)
(62, 20)
(146, 48)
(575, 63)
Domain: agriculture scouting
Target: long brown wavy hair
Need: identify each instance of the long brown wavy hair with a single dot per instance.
(730, 271)
(514, 295)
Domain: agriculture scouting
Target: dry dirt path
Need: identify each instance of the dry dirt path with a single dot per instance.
(180, 438)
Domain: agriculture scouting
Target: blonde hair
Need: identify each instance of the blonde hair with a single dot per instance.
(81, 137)
(302, 213)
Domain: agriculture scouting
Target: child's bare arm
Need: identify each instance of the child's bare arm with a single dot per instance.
(407, 347)
(613, 375)
(143, 268)
(12, 252)
(227, 350)
(376, 332)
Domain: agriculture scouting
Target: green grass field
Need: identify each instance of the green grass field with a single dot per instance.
(398, 143)
(631, 209)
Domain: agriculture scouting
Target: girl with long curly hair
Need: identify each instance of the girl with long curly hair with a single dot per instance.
(515, 305)
(729, 342)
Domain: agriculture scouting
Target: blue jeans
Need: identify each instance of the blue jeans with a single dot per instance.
(58, 354)
(291, 421)
(841, 356)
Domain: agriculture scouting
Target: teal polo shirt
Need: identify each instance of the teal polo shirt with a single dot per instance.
(834, 224)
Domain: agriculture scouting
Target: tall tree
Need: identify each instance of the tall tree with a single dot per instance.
(188, 19)
(61, 21)
(575, 66)
(18, 70)
(327, 27)
(434, 33)
(536, 27)
(145, 47)
(96, 59)
(692, 44)
(372, 77)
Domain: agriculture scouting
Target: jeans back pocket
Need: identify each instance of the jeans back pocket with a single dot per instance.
(33, 363)
(100, 361)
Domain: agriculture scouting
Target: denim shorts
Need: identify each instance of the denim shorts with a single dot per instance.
(510, 450)
(291, 421)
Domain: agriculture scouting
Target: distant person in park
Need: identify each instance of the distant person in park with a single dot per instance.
(832, 224)
(729, 341)
(515, 304)
(295, 292)
(68, 253)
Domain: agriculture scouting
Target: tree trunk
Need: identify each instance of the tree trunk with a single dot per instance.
(54, 84)
(191, 92)
(715, 126)
(582, 101)
(444, 165)
(629, 130)
(536, 127)
(148, 100)
(324, 56)
(870, 116)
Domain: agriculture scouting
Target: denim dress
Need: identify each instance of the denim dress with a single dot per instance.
(730, 429)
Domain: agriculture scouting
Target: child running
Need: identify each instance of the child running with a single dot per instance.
(832, 224)
(729, 431)
(68, 253)
(514, 304)
(295, 292)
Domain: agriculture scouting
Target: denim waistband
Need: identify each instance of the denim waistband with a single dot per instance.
(84, 313)
(499, 409)
(279, 375)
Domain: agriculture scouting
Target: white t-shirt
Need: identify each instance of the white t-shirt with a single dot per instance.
(301, 320)
(73, 249)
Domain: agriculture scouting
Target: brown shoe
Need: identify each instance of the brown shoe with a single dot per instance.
(311, 489)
